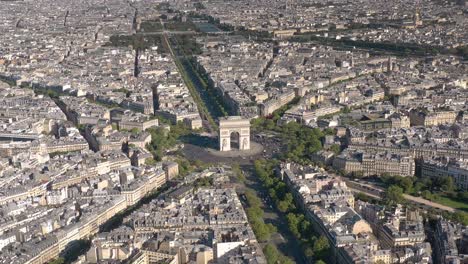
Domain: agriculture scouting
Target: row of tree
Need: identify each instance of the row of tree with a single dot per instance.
(274, 256)
(400, 48)
(429, 189)
(187, 45)
(255, 214)
(207, 84)
(314, 247)
(416, 186)
(394, 195)
(262, 230)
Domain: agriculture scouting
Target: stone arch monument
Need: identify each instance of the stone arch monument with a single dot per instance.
(232, 125)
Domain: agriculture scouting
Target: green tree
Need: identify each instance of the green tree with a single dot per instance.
(315, 145)
(150, 162)
(254, 212)
(293, 224)
(386, 178)
(363, 197)
(321, 247)
(448, 184)
(427, 195)
(271, 228)
(335, 148)
(287, 204)
(418, 187)
(135, 130)
(407, 184)
(285, 260)
(238, 172)
(305, 227)
(270, 124)
(252, 199)
(461, 217)
(427, 182)
(283, 206)
(463, 196)
(184, 166)
(308, 252)
(271, 253)
(260, 229)
(393, 195)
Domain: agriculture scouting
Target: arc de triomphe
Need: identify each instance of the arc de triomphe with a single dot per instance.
(237, 126)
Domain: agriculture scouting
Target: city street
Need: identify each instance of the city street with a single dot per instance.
(283, 239)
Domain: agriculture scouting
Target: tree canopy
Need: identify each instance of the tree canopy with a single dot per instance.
(393, 195)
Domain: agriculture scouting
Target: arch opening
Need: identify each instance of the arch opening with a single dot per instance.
(235, 140)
